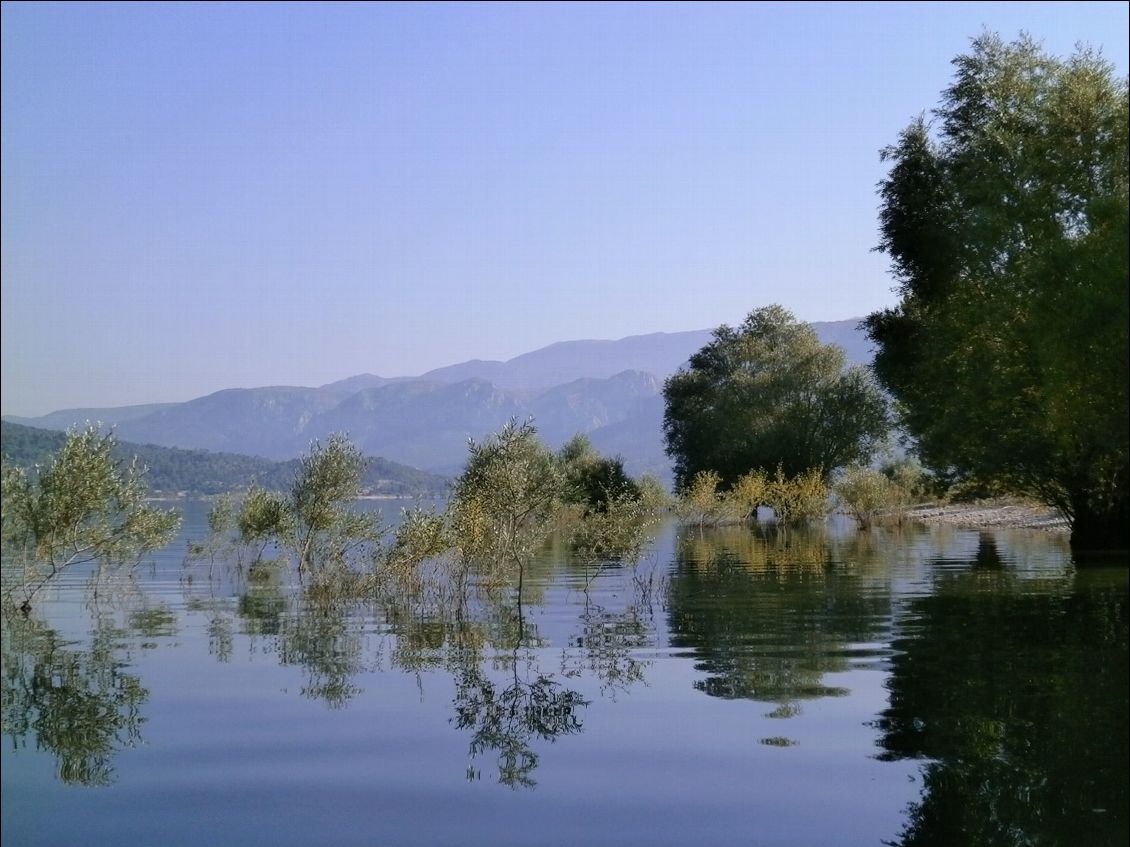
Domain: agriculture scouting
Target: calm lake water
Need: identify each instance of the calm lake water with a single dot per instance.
(928, 686)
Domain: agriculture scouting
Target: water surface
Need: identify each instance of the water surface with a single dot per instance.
(923, 686)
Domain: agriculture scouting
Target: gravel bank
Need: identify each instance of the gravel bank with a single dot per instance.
(991, 515)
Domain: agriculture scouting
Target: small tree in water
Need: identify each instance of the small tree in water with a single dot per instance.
(263, 517)
(324, 527)
(84, 506)
(502, 503)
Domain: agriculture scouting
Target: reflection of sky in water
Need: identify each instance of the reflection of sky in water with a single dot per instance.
(241, 742)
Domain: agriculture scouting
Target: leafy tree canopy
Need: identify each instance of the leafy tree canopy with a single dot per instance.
(1006, 222)
(769, 395)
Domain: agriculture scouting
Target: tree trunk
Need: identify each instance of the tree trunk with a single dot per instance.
(1102, 528)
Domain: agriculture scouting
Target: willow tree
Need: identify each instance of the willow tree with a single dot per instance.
(770, 395)
(1005, 218)
(502, 504)
(323, 525)
(84, 506)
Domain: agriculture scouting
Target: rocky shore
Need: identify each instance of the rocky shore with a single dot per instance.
(991, 514)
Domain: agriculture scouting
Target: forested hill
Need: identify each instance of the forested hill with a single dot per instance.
(173, 470)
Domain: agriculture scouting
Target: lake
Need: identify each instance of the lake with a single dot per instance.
(736, 687)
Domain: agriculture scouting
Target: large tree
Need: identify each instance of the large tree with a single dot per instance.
(768, 394)
(1006, 222)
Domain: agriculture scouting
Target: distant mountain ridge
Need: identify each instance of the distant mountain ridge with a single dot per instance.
(111, 416)
(658, 353)
(610, 390)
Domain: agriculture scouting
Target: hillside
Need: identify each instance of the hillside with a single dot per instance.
(201, 472)
(610, 390)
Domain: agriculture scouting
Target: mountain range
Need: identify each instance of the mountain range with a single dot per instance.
(610, 390)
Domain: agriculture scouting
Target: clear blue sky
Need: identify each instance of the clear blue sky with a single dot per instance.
(198, 197)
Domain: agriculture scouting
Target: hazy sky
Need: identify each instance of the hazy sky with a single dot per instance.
(198, 197)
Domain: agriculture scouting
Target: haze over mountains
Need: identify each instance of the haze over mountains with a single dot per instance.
(610, 390)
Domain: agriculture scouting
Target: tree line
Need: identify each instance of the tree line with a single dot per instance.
(1005, 216)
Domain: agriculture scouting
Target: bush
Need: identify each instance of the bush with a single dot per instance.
(799, 498)
(865, 494)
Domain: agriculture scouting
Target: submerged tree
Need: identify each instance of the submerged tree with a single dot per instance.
(324, 527)
(316, 518)
(84, 506)
(766, 395)
(502, 503)
(263, 516)
(1006, 222)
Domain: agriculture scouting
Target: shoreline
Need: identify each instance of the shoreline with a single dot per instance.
(990, 514)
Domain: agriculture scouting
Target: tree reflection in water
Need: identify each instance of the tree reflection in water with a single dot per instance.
(1016, 718)
(506, 719)
(608, 644)
(81, 705)
(505, 716)
(769, 614)
(512, 691)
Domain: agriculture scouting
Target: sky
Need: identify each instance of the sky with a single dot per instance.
(199, 197)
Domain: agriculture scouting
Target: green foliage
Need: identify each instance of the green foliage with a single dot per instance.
(750, 491)
(327, 475)
(766, 394)
(83, 506)
(699, 502)
(615, 532)
(593, 481)
(654, 496)
(800, 498)
(866, 494)
(315, 518)
(324, 526)
(577, 452)
(1007, 222)
(221, 516)
(221, 524)
(511, 496)
(503, 502)
(909, 475)
(263, 516)
(795, 499)
(421, 534)
(514, 493)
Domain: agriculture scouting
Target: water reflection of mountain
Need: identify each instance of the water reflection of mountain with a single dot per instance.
(1026, 725)
(768, 616)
